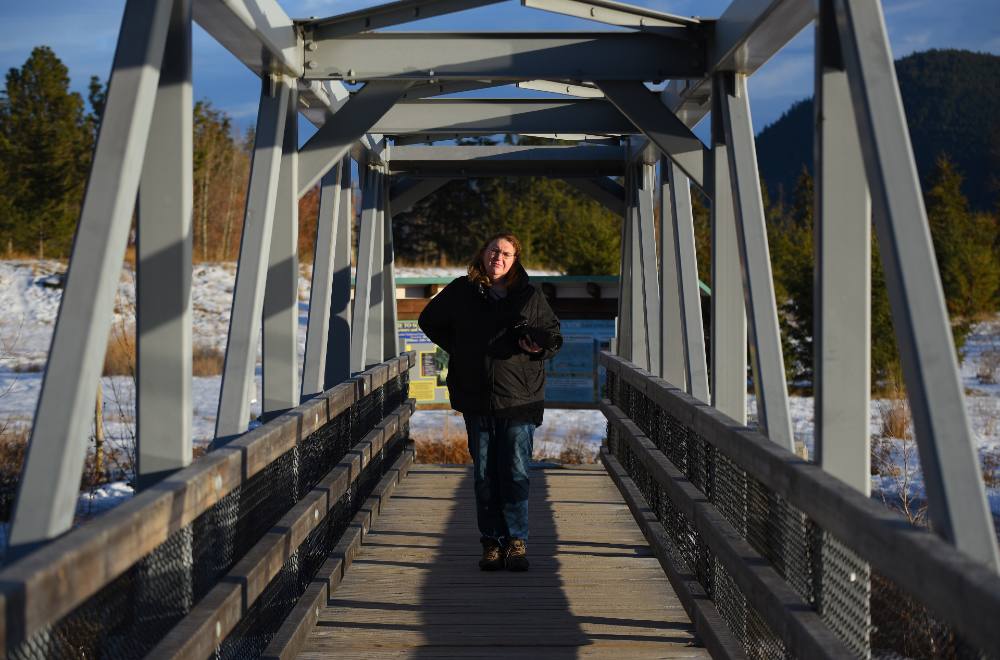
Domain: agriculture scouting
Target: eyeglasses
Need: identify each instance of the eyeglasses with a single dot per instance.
(496, 252)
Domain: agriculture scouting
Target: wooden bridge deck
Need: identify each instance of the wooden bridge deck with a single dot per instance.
(594, 590)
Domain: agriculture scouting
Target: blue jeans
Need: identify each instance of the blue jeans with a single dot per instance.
(501, 451)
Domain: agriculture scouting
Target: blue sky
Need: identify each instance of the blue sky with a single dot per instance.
(83, 35)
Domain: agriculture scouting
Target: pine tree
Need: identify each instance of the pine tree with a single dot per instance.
(45, 149)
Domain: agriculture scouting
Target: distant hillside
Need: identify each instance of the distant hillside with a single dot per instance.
(952, 102)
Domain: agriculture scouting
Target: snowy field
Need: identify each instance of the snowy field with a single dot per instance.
(30, 309)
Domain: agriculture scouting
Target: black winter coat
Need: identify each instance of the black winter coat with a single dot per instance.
(488, 373)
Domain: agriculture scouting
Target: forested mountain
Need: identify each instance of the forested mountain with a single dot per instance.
(952, 103)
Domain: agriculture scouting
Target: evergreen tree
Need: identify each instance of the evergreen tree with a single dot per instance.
(45, 149)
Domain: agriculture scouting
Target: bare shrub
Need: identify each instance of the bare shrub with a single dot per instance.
(207, 361)
(119, 359)
(894, 417)
(989, 366)
(991, 467)
(13, 444)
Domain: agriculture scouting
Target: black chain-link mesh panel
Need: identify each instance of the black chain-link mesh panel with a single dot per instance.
(131, 614)
(872, 615)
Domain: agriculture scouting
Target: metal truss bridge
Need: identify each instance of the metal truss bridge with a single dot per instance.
(314, 534)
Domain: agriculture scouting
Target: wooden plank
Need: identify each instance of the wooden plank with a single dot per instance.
(595, 588)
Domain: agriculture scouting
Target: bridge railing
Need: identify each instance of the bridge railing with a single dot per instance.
(774, 557)
(214, 557)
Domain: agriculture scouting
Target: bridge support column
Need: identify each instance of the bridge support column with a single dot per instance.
(390, 334)
(376, 305)
(671, 367)
(688, 287)
(50, 479)
(280, 378)
(751, 233)
(251, 270)
(363, 280)
(956, 496)
(729, 325)
(163, 268)
(649, 313)
(623, 338)
(321, 292)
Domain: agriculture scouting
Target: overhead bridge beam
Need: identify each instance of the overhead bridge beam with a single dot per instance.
(487, 116)
(509, 160)
(389, 14)
(673, 53)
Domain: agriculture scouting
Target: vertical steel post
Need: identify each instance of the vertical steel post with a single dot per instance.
(625, 268)
(688, 286)
(376, 306)
(729, 325)
(391, 333)
(338, 350)
(842, 326)
(279, 343)
(363, 279)
(251, 269)
(751, 233)
(50, 480)
(956, 496)
(650, 309)
(638, 341)
(671, 330)
(163, 268)
(318, 327)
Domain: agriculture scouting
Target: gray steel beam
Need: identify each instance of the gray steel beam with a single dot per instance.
(587, 91)
(842, 297)
(163, 268)
(661, 126)
(360, 317)
(428, 89)
(279, 343)
(607, 192)
(729, 326)
(489, 116)
(251, 269)
(674, 53)
(509, 160)
(338, 343)
(956, 498)
(257, 32)
(391, 333)
(386, 15)
(695, 366)
(671, 337)
(404, 194)
(50, 480)
(375, 346)
(758, 286)
(612, 13)
(647, 259)
(334, 139)
(624, 329)
(320, 293)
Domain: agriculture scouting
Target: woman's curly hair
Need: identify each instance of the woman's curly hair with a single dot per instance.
(477, 273)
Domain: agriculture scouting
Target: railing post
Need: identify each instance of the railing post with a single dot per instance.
(279, 342)
(729, 325)
(251, 269)
(956, 496)
(163, 268)
(50, 480)
(751, 234)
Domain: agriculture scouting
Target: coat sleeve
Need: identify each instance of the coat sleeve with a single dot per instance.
(436, 320)
(545, 319)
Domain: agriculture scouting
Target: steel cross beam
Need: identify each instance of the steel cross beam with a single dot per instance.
(508, 160)
(507, 56)
(490, 116)
(389, 14)
(607, 192)
(405, 193)
(612, 13)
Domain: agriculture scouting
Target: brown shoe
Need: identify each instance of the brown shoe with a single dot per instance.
(517, 555)
(492, 555)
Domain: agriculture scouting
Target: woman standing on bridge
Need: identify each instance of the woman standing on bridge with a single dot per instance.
(497, 330)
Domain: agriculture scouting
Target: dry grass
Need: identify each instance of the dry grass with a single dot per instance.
(448, 451)
(13, 443)
(894, 418)
(207, 361)
(119, 359)
(989, 366)
(991, 468)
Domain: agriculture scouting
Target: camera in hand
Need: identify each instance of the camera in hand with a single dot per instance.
(521, 329)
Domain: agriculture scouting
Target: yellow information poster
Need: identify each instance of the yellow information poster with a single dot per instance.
(428, 378)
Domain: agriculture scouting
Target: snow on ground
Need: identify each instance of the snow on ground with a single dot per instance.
(30, 308)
